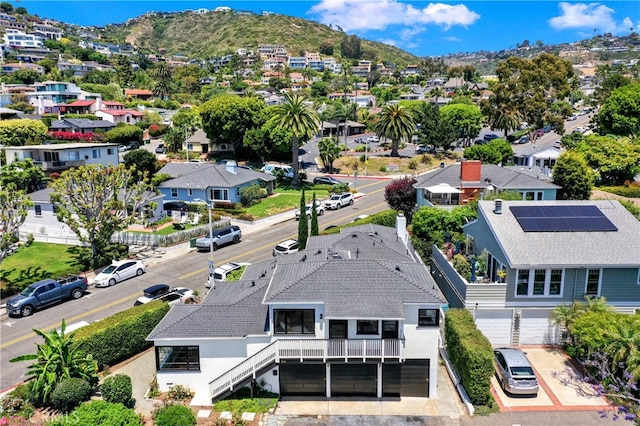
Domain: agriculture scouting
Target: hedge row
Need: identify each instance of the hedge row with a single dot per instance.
(472, 355)
(122, 335)
(631, 191)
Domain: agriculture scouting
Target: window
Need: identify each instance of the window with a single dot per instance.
(190, 192)
(174, 192)
(529, 196)
(428, 317)
(38, 209)
(593, 283)
(74, 155)
(96, 153)
(178, 358)
(220, 194)
(294, 321)
(109, 151)
(539, 282)
(367, 327)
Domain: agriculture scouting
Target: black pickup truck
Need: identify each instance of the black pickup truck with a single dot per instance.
(46, 292)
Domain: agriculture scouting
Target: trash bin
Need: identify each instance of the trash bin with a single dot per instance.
(192, 243)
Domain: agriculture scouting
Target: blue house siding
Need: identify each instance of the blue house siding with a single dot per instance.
(197, 195)
(619, 285)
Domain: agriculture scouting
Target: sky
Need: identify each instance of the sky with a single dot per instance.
(420, 27)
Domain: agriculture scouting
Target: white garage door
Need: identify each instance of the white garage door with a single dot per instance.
(495, 324)
(536, 328)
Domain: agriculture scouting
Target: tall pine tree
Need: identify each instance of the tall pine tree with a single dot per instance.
(314, 216)
(303, 224)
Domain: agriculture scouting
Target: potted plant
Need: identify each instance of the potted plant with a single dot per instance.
(502, 274)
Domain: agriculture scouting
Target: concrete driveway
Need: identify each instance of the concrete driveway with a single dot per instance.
(553, 394)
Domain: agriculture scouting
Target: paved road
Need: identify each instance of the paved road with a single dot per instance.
(189, 270)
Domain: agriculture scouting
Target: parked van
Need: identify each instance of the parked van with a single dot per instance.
(514, 372)
(273, 168)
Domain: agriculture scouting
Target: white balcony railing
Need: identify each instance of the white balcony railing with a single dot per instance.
(305, 349)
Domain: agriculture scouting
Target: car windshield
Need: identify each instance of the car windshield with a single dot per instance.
(522, 371)
(335, 197)
(281, 248)
(109, 269)
(28, 291)
(217, 276)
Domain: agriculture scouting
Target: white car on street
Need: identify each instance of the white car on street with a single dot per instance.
(119, 270)
(309, 211)
(338, 201)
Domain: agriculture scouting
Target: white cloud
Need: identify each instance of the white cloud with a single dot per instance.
(410, 33)
(389, 41)
(355, 15)
(456, 39)
(588, 16)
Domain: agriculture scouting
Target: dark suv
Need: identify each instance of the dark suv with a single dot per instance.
(133, 145)
(222, 236)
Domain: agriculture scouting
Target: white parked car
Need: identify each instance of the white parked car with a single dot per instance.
(173, 297)
(286, 247)
(119, 271)
(338, 201)
(319, 210)
(221, 272)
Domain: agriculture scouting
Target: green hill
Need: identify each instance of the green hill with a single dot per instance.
(218, 33)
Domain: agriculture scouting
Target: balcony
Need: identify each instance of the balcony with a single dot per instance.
(307, 349)
(50, 166)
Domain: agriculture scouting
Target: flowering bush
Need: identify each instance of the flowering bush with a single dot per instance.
(75, 137)
(158, 129)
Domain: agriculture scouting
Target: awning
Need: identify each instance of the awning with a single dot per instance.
(443, 188)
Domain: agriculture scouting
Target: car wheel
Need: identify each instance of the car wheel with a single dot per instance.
(321, 212)
(112, 281)
(77, 293)
(236, 239)
(350, 202)
(26, 311)
(139, 272)
(338, 206)
(214, 246)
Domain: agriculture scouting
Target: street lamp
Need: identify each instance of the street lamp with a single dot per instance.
(211, 263)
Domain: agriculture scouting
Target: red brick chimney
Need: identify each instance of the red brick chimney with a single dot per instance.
(470, 170)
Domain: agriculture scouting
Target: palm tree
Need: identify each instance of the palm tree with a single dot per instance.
(625, 347)
(436, 93)
(395, 122)
(297, 116)
(162, 74)
(57, 359)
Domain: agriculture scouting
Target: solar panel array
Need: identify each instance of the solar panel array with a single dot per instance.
(561, 219)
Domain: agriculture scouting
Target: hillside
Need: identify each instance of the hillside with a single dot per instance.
(214, 34)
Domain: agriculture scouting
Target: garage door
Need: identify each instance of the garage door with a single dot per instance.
(495, 324)
(302, 379)
(354, 379)
(536, 328)
(391, 378)
(415, 378)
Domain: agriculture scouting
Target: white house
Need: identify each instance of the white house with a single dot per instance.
(117, 116)
(354, 314)
(63, 156)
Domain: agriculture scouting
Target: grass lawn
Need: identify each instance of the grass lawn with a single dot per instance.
(36, 262)
(285, 199)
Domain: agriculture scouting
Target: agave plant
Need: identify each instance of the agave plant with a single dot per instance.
(55, 360)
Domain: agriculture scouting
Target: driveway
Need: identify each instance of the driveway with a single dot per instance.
(553, 394)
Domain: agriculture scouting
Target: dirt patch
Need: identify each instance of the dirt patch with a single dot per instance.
(596, 194)
(381, 165)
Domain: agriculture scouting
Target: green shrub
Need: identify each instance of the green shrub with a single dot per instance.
(122, 335)
(99, 413)
(180, 393)
(426, 159)
(156, 130)
(630, 191)
(361, 148)
(117, 389)
(250, 195)
(123, 134)
(18, 402)
(413, 164)
(462, 266)
(383, 169)
(70, 393)
(471, 354)
(174, 415)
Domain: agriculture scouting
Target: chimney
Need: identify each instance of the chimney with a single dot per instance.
(470, 170)
(98, 104)
(498, 206)
(231, 167)
(401, 227)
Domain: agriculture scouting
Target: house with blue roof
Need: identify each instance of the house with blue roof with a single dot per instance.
(218, 183)
(354, 314)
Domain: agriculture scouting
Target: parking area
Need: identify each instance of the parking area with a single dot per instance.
(553, 395)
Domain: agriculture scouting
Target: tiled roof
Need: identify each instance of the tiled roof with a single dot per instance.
(117, 112)
(79, 103)
(137, 92)
(575, 249)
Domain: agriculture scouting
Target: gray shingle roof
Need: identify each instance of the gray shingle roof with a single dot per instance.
(619, 248)
(204, 175)
(363, 288)
(501, 178)
(231, 309)
(81, 123)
